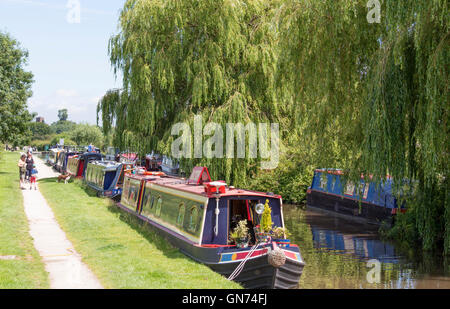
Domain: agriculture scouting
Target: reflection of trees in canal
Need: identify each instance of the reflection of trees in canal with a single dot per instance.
(336, 260)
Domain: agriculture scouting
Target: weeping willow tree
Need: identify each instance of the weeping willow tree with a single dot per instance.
(184, 58)
(380, 92)
(367, 97)
(406, 114)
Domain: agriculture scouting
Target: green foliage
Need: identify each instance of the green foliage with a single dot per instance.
(40, 144)
(63, 126)
(266, 219)
(15, 89)
(85, 134)
(63, 114)
(67, 139)
(40, 130)
(240, 231)
(212, 58)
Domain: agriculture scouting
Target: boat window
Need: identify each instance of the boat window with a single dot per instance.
(349, 188)
(181, 211)
(323, 181)
(366, 190)
(158, 206)
(193, 219)
(333, 182)
(152, 202)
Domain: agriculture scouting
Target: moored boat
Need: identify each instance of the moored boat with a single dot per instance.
(170, 166)
(53, 155)
(197, 216)
(63, 160)
(330, 191)
(106, 177)
(76, 164)
(153, 162)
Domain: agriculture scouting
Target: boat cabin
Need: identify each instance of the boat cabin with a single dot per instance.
(106, 177)
(170, 166)
(76, 164)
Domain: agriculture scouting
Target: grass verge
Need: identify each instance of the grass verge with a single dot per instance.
(20, 264)
(118, 248)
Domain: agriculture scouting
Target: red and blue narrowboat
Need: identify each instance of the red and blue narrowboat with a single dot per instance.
(369, 200)
(106, 177)
(197, 216)
(76, 165)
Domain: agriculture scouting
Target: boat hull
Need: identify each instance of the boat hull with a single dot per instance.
(349, 207)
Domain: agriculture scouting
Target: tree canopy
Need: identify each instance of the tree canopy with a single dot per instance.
(15, 89)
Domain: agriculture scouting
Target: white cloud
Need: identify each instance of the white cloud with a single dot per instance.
(67, 93)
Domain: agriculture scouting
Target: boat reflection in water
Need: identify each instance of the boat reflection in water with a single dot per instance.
(346, 240)
(339, 250)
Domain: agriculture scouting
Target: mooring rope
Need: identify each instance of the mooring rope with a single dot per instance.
(240, 267)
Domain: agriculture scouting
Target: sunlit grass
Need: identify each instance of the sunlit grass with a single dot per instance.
(119, 249)
(24, 269)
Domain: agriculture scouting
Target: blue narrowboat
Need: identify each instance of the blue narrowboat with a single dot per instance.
(106, 177)
(331, 191)
(197, 216)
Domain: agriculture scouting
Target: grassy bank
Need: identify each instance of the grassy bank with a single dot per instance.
(121, 251)
(20, 264)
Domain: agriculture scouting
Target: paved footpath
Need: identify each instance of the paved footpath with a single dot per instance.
(62, 262)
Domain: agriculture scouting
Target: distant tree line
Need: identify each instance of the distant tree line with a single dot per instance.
(73, 133)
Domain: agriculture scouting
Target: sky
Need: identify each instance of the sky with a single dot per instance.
(68, 52)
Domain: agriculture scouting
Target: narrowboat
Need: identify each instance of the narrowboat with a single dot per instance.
(331, 191)
(170, 166)
(128, 157)
(106, 177)
(111, 153)
(197, 216)
(73, 164)
(63, 160)
(153, 162)
(76, 165)
(53, 155)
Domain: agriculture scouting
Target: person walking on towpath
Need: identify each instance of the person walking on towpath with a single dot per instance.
(22, 170)
(30, 163)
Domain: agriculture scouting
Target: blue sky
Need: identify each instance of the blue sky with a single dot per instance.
(69, 60)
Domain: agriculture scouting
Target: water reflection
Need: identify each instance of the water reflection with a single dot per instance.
(336, 251)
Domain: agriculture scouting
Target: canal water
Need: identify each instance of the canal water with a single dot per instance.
(341, 253)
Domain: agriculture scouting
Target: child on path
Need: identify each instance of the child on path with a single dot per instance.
(34, 172)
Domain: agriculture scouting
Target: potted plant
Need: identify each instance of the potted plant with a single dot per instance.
(264, 230)
(240, 234)
(281, 235)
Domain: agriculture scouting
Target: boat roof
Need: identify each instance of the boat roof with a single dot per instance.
(335, 171)
(181, 184)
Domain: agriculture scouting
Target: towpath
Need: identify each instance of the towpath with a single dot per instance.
(62, 262)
